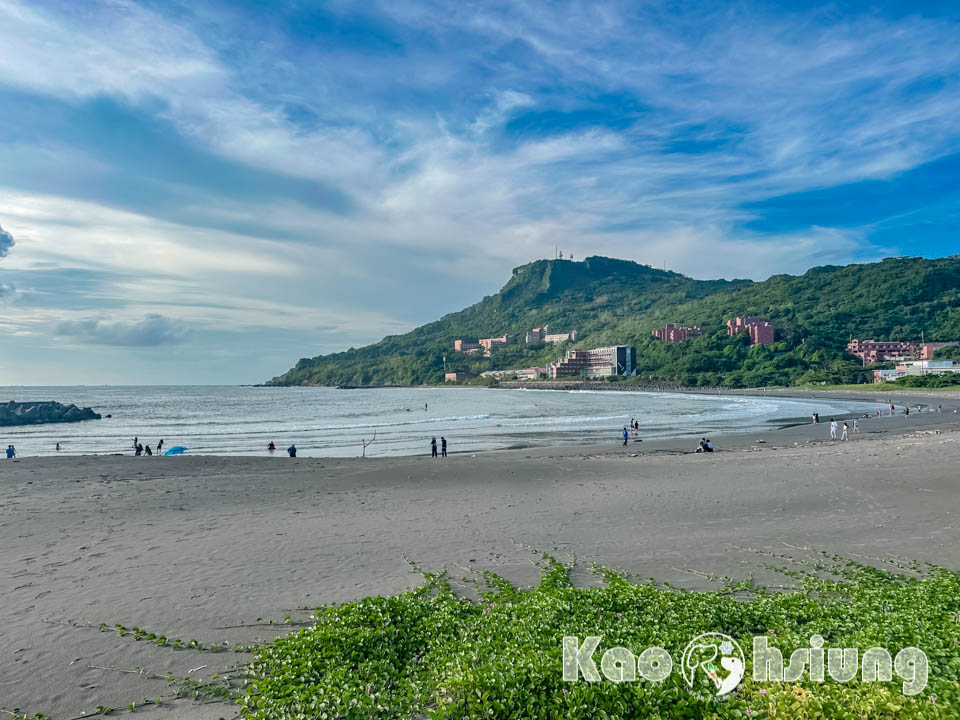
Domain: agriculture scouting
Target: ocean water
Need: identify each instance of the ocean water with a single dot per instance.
(326, 422)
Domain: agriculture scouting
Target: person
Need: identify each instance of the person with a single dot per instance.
(701, 446)
(11, 452)
(879, 412)
(856, 426)
(424, 407)
(292, 450)
(906, 410)
(443, 446)
(433, 447)
(709, 445)
(148, 451)
(813, 418)
(833, 429)
(844, 435)
(891, 409)
(271, 447)
(136, 441)
(139, 450)
(939, 408)
(625, 435)
(160, 446)
(58, 447)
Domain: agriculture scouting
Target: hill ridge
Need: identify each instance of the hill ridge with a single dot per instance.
(613, 301)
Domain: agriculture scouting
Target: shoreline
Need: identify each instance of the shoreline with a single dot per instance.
(783, 430)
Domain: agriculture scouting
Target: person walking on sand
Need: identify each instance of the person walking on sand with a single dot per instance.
(856, 426)
(891, 409)
(626, 435)
(443, 446)
(292, 450)
(11, 452)
(433, 447)
(271, 447)
(939, 409)
(833, 429)
(844, 435)
(136, 441)
(160, 447)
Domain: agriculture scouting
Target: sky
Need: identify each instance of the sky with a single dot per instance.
(205, 192)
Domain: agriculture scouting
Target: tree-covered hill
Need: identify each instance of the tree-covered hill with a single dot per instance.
(620, 302)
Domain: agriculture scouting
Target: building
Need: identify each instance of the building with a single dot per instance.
(674, 334)
(457, 376)
(531, 373)
(871, 351)
(489, 344)
(916, 367)
(599, 362)
(543, 335)
(484, 345)
(466, 347)
(760, 329)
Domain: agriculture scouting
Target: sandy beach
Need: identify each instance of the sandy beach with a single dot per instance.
(212, 548)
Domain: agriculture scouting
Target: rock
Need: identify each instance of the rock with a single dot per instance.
(36, 413)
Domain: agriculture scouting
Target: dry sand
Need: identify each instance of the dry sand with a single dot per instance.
(193, 547)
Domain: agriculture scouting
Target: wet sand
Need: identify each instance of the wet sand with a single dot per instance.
(193, 547)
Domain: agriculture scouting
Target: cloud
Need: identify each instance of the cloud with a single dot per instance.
(152, 331)
(6, 242)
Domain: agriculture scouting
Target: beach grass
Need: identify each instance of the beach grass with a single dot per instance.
(434, 652)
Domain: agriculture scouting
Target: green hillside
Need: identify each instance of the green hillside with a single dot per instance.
(620, 302)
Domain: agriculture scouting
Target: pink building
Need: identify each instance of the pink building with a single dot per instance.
(489, 344)
(674, 334)
(466, 347)
(456, 376)
(760, 329)
(871, 351)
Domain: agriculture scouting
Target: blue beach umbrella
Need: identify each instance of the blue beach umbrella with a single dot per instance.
(176, 450)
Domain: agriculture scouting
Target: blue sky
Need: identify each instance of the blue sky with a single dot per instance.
(206, 192)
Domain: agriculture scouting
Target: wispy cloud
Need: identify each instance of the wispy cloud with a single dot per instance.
(369, 167)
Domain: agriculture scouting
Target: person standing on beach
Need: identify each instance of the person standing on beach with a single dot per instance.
(11, 452)
(58, 447)
(844, 435)
(443, 446)
(891, 409)
(160, 446)
(856, 426)
(833, 429)
(625, 436)
(433, 447)
(138, 451)
(136, 441)
(292, 450)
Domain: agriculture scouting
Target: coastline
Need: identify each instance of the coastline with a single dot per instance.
(203, 546)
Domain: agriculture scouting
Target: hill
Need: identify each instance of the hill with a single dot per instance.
(620, 302)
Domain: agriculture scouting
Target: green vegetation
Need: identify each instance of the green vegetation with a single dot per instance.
(618, 302)
(432, 653)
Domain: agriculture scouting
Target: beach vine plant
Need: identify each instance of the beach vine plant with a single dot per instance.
(495, 651)
(434, 653)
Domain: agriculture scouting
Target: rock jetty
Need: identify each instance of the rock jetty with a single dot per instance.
(36, 413)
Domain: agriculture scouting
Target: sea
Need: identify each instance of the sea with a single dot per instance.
(330, 422)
